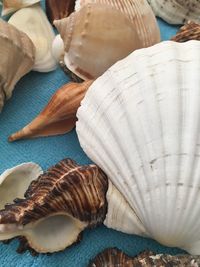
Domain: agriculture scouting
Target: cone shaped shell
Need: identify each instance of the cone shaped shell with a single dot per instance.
(59, 116)
(176, 11)
(15, 181)
(10, 6)
(99, 35)
(33, 21)
(140, 124)
(15, 47)
(59, 205)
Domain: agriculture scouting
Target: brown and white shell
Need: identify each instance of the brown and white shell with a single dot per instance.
(10, 6)
(59, 205)
(176, 11)
(17, 58)
(114, 257)
(101, 33)
(190, 31)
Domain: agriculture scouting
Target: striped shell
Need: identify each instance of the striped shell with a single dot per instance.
(58, 206)
(190, 31)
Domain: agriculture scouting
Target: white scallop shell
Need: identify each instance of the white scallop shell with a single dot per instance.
(176, 11)
(10, 6)
(33, 21)
(15, 181)
(140, 122)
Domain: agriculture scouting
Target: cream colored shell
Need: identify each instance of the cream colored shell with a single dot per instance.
(15, 181)
(17, 58)
(176, 11)
(33, 21)
(140, 122)
(10, 6)
(99, 34)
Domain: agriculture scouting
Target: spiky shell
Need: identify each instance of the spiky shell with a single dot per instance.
(15, 47)
(100, 34)
(140, 124)
(59, 205)
(176, 11)
(190, 31)
(10, 6)
(15, 181)
(114, 257)
(33, 21)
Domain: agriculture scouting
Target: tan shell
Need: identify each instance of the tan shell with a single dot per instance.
(59, 116)
(59, 205)
(17, 58)
(99, 35)
(10, 6)
(190, 31)
(176, 11)
(114, 257)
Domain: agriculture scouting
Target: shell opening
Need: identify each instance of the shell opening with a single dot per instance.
(50, 234)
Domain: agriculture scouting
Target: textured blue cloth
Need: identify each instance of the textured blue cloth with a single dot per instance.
(29, 97)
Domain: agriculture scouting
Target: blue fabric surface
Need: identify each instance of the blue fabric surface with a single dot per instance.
(30, 96)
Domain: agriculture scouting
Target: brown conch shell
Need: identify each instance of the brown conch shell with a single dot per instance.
(17, 58)
(59, 116)
(59, 205)
(59, 9)
(190, 31)
(114, 257)
(101, 33)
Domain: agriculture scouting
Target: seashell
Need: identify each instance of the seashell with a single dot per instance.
(140, 124)
(33, 21)
(89, 46)
(176, 11)
(10, 6)
(114, 257)
(59, 116)
(15, 47)
(59, 205)
(190, 31)
(59, 9)
(16, 181)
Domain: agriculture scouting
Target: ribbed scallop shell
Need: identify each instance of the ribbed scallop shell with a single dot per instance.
(140, 122)
(15, 47)
(10, 6)
(101, 33)
(15, 181)
(176, 11)
(33, 21)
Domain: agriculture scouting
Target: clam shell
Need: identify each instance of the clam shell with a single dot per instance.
(114, 257)
(176, 11)
(15, 47)
(100, 34)
(15, 181)
(33, 21)
(59, 205)
(140, 124)
(10, 6)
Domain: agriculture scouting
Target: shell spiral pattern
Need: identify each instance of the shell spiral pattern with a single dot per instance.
(140, 123)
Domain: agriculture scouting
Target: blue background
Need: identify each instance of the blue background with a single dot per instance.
(30, 95)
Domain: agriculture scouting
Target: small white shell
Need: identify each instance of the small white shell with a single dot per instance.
(10, 6)
(33, 21)
(176, 11)
(58, 48)
(140, 122)
(15, 181)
